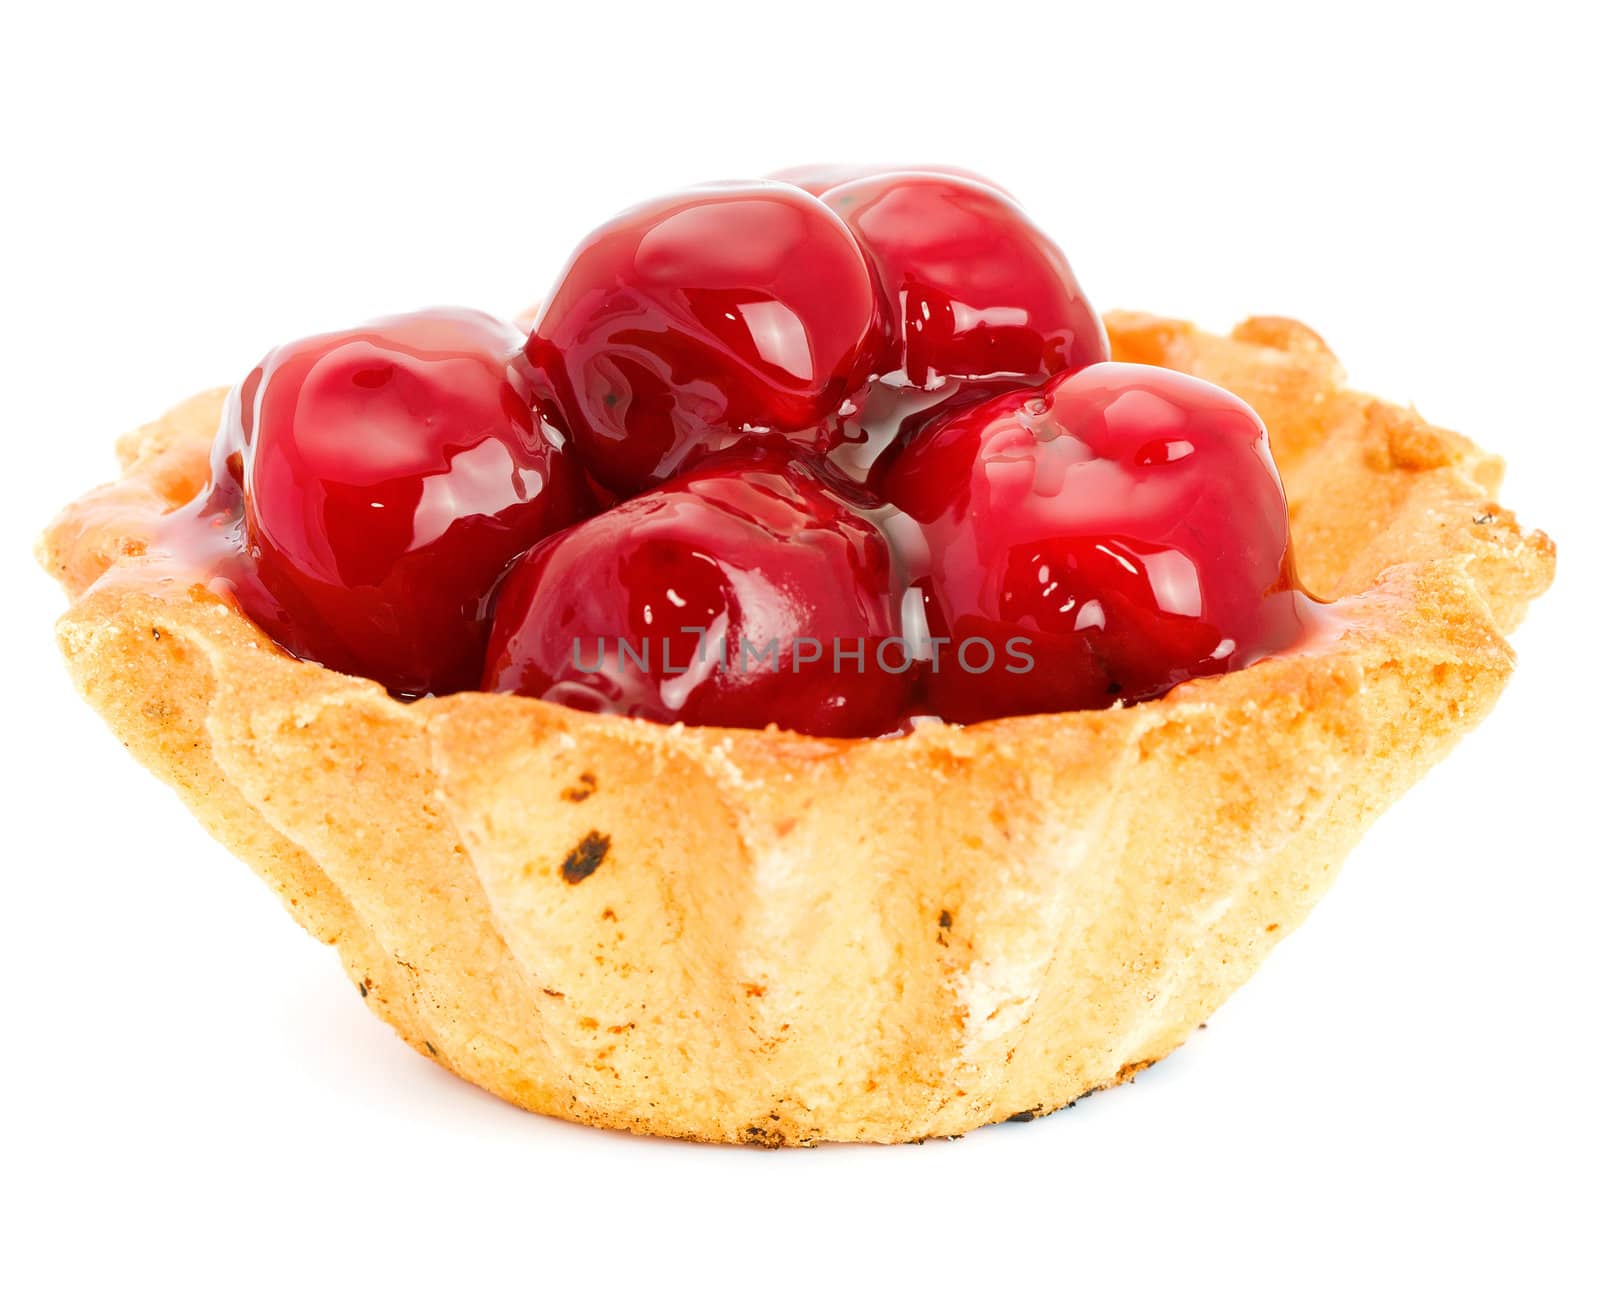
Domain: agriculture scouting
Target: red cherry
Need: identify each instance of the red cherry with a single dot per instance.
(977, 290)
(389, 474)
(686, 324)
(819, 178)
(743, 593)
(1127, 521)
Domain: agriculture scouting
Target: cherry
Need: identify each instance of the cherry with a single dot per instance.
(819, 178)
(388, 475)
(1127, 521)
(688, 323)
(977, 291)
(748, 591)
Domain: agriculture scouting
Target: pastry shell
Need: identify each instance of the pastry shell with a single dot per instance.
(761, 937)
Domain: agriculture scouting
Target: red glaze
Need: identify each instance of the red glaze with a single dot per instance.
(975, 290)
(819, 178)
(685, 324)
(748, 548)
(389, 475)
(1128, 520)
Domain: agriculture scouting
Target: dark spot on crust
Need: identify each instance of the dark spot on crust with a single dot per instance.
(590, 852)
(755, 1136)
(945, 919)
(608, 916)
(362, 987)
(1041, 1111)
(554, 993)
(434, 1051)
(580, 790)
(156, 633)
(1486, 518)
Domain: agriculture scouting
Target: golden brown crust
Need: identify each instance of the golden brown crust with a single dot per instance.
(760, 937)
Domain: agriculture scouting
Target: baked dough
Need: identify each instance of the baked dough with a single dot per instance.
(762, 937)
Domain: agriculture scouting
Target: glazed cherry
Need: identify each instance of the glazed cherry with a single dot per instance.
(389, 474)
(819, 178)
(977, 291)
(687, 324)
(746, 592)
(1127, 521)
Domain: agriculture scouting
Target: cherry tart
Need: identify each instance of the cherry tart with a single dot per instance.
(737, 933)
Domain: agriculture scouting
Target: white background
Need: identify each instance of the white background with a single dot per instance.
(1403, 1097)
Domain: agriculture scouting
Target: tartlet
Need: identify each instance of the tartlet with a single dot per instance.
(763, 937)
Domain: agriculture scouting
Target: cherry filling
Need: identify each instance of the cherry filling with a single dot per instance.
(819, 178)
(855, 459)
(975, 290)
(689, 324)
(388, 475)
(1125, 522)
(743, 593)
